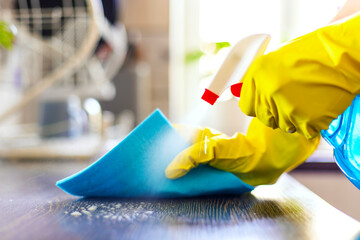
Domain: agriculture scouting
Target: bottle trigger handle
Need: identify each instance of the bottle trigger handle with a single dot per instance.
(236, 89)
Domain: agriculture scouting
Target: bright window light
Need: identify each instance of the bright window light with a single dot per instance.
(231, 20)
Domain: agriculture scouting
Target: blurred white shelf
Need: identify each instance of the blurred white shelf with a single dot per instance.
(60, 148)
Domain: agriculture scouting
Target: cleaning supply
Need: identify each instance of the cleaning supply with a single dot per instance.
(135, 168)
(235, 65)
(260, 157)
(308, 82)
(344, 135)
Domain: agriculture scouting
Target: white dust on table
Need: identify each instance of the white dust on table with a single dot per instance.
(124, 212)
(76, 214)
(86, 212)
(92, 208)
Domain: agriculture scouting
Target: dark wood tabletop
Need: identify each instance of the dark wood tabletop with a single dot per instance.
(32, 207)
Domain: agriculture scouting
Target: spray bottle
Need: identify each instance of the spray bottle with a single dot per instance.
(235, 66)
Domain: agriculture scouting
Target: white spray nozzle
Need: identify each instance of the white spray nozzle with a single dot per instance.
(235, 65)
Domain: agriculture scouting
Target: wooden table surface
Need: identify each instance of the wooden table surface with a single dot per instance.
(32, 207)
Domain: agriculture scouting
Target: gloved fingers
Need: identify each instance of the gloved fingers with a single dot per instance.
(308, 131)
(259, 158)
(264, 114)
(224, 153)
(260, 109)
(249, 92)
(281, 152)
(247, 101)
(266, 110)
(194, 134)
(201, 152)
(286, 124)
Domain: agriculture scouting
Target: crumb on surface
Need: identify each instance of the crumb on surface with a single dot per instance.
(76, 214)
(92, 208)
(86, 212)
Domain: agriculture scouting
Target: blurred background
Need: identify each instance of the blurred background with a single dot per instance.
(83, 73)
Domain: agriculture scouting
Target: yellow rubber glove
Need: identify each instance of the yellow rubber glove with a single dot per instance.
(308, 82)
(260, 157)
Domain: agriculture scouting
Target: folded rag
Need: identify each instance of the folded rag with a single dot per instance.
(135, 168)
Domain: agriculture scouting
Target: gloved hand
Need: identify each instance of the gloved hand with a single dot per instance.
(260, 157)
(308, 82)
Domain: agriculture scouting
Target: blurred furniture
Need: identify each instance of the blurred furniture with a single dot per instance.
(33, 208)
(147, 22)
(64, 48)
(328, 182)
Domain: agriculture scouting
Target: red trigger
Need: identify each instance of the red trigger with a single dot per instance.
(236, 89)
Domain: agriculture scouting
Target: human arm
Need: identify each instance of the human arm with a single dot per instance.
(308, 82)
(260, 157)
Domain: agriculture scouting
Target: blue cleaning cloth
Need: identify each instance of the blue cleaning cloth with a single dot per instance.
(135, 168)
(344, 135)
